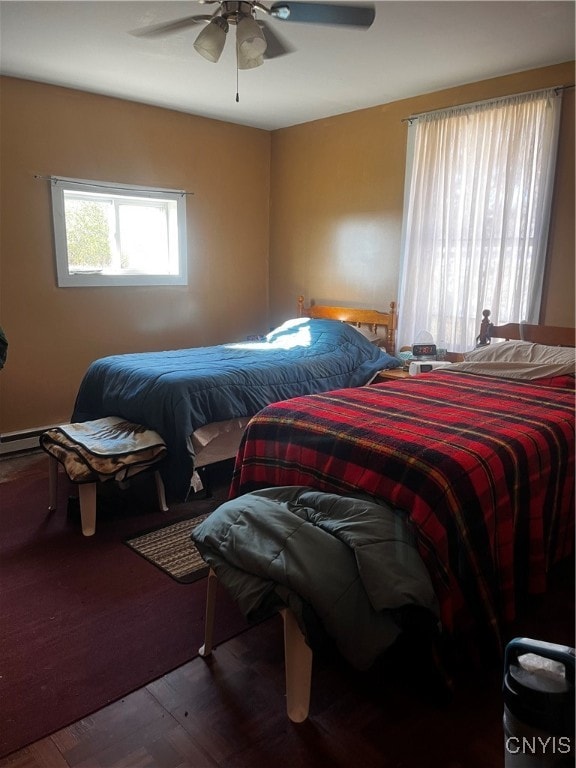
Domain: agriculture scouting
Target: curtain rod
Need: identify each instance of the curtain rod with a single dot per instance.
(556, 88)
(134, 188)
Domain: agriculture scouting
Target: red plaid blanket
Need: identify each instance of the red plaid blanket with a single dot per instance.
(484, 467)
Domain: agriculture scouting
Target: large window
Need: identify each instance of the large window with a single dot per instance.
(108, 234)
(477, 211)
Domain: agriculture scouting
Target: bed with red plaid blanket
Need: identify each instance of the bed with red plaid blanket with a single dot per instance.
(484, 467)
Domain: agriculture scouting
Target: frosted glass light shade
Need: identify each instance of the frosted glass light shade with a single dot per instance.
(210, 42)
(250, 41)
(246, 63)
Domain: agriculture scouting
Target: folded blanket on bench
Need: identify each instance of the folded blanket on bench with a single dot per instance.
(348, 562)
(104, 449)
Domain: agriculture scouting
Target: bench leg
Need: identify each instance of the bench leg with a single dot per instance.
(87, 493)
(298, 662)
(52, 483)
(160, 491)
(206, 649)
(297, 655)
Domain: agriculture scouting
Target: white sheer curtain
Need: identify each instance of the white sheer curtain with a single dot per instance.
(476, 224)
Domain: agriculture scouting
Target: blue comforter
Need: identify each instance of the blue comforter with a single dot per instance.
(177, 391)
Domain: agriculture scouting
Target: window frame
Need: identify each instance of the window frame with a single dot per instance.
(66, 279)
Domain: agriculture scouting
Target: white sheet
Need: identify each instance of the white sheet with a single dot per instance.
(215, 442)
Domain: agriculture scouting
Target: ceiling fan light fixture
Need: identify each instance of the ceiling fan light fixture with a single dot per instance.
(250, 41)
(210, 42)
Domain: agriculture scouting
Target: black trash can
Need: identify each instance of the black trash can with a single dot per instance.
(539, 713)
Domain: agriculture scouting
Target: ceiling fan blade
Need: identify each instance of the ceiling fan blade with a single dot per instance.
(275, 44)
(156, 30)
(324, 13)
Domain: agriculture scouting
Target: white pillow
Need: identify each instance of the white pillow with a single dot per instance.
(518, 360)
(523, 352)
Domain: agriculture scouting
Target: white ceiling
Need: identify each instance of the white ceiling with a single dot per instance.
(412, 48)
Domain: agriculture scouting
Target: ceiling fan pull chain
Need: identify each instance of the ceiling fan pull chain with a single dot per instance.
(237, 87)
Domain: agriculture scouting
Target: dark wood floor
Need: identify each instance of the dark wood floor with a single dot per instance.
(229, 711)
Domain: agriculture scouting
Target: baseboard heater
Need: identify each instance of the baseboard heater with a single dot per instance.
(26, 440)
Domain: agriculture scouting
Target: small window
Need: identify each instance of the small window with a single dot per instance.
(112, 234)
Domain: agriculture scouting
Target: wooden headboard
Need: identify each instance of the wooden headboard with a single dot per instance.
(552, 335)
(373, 318)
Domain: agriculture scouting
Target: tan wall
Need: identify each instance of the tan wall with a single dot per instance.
(337, 189)
(54, 333)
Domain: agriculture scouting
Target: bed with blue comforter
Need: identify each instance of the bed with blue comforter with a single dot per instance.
(175, 392)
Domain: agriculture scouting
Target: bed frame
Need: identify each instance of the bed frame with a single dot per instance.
(551, 335)
(374, 319)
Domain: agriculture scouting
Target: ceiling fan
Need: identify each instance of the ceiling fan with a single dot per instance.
(256, 40)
